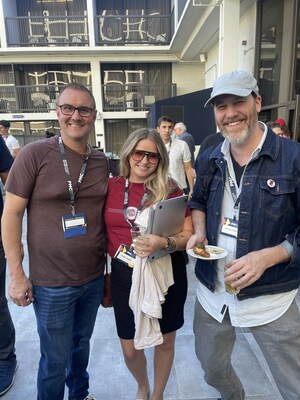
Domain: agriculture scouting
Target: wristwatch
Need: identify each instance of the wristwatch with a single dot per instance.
(170, 247)
(169, 243)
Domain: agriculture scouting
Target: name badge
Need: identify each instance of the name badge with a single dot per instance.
(74, 225)
(229, 227)
(125, 254)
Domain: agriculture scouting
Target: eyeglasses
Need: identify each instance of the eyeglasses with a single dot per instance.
(138, 155)
(69, 110)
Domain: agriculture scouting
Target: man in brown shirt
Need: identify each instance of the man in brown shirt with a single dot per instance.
(62, 183)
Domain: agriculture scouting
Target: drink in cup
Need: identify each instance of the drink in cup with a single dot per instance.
(137, 232)
(229, 288)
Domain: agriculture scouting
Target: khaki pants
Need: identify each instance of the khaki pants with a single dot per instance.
(278, 340)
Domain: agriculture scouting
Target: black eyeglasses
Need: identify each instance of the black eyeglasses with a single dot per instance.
(138, 155)
(69, 110)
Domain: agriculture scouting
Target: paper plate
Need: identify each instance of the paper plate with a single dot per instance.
(215, 253)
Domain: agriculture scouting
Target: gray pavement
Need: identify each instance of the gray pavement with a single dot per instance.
(110, 379)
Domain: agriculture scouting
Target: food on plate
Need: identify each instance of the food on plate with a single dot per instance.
(200, 249)
(214, 250)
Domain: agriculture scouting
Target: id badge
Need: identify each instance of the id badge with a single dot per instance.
(74, 225)
(229, 227)
(125, 254)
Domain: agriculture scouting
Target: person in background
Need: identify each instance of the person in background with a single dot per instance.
(62, 182)
(8, 362)
(10, 141)
(182, 134)
(49, 134)
(144, 181)
(180, 167)
(280, 129)
(247, 201)
(214, 139)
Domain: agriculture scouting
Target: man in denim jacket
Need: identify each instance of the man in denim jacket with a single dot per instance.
(247, 200)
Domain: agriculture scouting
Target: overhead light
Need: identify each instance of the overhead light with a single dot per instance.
(202, 57)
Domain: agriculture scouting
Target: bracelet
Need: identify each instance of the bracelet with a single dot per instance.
(171, 245)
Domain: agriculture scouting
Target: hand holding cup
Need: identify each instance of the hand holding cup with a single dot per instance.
(139, 240)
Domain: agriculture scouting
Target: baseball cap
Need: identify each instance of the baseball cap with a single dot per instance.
(280, 121)
(237, 83)
(5, 123)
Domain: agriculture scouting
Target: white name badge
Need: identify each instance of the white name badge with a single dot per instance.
(229, 227)
(74, 225)
(125, 254)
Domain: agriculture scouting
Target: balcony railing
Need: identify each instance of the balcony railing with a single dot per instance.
(134, 97)
(47, 30)
(66, 30)
(117, 30)
(20, 99)
(43, 98)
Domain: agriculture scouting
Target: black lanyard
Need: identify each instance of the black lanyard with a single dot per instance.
(236, 198)
(72, 194)
(126, 199)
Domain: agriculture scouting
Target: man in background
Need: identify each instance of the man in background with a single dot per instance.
(10, 141)
(180, 167)
(182, 134)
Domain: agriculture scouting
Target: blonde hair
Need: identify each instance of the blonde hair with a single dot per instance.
(157, 184)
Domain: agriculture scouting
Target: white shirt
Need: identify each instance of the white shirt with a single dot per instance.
(12, 143)
(249, 312)
(179, 153)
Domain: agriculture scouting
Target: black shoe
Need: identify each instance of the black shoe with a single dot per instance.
(7, 375)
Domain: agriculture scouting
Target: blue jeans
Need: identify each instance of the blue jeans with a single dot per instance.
(65, 322)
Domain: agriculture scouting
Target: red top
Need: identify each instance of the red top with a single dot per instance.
(117, 228)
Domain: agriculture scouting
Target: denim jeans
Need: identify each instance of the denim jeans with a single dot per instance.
(65, 322)
(7, 330)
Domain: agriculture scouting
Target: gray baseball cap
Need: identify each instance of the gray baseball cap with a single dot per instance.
(237, 83)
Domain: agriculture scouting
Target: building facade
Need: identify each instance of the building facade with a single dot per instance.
(132, 53)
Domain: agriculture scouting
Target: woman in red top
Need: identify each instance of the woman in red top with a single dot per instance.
(144, 181)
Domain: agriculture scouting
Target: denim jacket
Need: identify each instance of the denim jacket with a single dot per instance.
(269, 212)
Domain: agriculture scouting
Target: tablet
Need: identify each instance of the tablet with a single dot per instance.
(167, 219)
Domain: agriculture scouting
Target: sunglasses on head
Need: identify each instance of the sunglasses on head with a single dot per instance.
(138, 155)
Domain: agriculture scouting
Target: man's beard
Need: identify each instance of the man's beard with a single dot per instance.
(243, 136)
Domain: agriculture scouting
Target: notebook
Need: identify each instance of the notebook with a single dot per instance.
(167, 219)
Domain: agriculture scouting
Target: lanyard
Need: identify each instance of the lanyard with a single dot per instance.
(72, 194)
(236, 198)
(125, 205)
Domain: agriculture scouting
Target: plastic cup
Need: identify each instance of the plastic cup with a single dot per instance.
(137, 231)
(229, 288)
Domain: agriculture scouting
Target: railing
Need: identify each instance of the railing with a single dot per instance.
(66, 30)
(134, 97)
(116, 97)
(116, 30)
(47, 30)
(19, 99)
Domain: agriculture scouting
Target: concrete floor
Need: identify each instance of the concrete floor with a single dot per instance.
(110, 379)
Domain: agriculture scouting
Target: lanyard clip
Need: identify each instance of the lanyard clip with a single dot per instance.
(72, 209)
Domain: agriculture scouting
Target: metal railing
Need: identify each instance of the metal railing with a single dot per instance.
(46, 30)
(134, 97)
(116, 97)
(66, 30)
(116, 30)
(19, 99)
